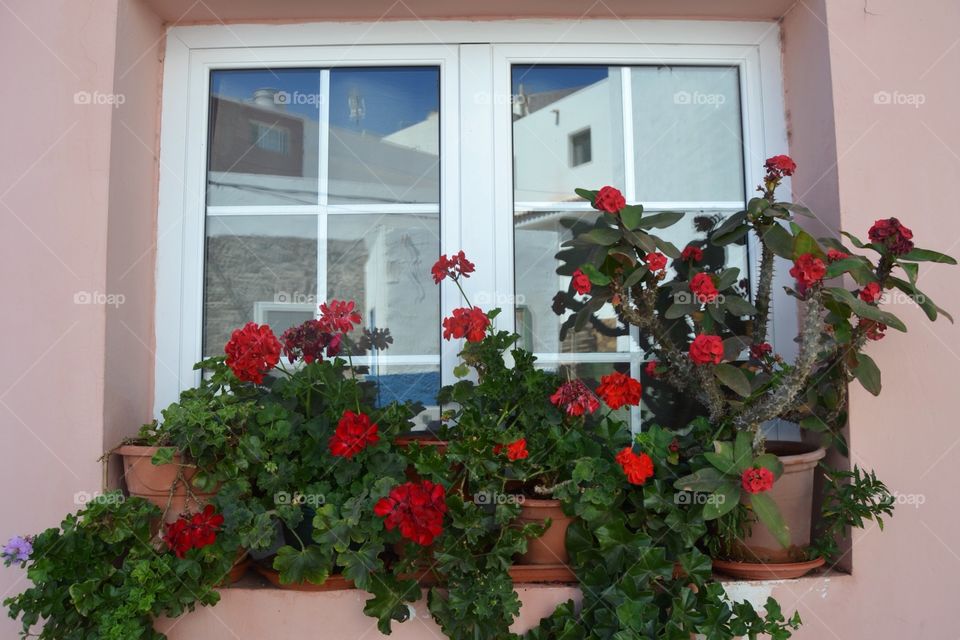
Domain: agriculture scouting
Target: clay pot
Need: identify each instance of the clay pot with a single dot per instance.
(766, 571)
(793, 493)
(551, 547)
(335, 582)
(155, 483)
(424, 439)
(239, 568)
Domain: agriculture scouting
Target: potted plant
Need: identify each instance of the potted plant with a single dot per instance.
(708, 342)
(107, 572)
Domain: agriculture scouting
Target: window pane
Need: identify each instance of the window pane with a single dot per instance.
(384, 135)
(687, 134)
(553, 104)
(538, 237)
(383, 263)
(260, 268)
(264, 137)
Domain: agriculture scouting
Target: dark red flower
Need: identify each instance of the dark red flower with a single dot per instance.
(873, 330)
(252, 351)
(310, 342)
(581, 283)
(193, 532)
(871, 292)
(353, 433)
(467, 322)
(706, 349)
(575, 398)
(609, 199)
(757, 480)
(656, 261)
(619, 389)
(833, 255)
(691, 253)
(516, 450)
(454, 267)
(758, 351)
(893, 235)
(416, 509)
(703, 288)
(779, 166)
(808, 270)
(651, 369)
(637, 468)
(338, 316)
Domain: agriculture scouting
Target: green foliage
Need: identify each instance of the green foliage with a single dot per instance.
(851, 499)
(103, 574)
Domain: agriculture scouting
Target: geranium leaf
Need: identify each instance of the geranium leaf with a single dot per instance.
(299, 566)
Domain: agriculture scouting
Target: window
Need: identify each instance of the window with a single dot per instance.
(344, 170)
(580, 150)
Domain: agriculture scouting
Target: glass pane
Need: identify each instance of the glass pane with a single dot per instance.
(382, 262)
(384, 135)
(264, 137)
(259, 268)
(688, 144)
(538, 237)
(419, 383)
(567, 131)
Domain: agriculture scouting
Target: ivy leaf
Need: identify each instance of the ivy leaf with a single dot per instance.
(769, 514)
(733, 377)
(163, 455)
(299, 566)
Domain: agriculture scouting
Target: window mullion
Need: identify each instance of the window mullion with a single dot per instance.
(323, 184)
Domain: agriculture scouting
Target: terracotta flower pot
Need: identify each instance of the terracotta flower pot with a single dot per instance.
(335, 582)
(551, 547)
(424, 439)
(159, 483)
(793, 493)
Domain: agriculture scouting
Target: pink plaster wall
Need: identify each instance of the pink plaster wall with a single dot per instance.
(892, 160)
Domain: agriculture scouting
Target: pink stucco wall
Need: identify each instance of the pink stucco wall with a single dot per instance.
(78, 216)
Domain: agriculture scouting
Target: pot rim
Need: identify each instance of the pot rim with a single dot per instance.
(814, 454)
(538, 503)
(138, 450)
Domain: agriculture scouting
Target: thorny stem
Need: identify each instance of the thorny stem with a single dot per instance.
(764, 290)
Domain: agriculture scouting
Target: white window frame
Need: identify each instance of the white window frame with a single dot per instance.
(476, 137)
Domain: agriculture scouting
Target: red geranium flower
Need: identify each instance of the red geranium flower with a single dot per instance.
(758, 351)
(651, 369)
(691, 253)
(619, 389)
(354, 432)
(581, 283)
(252, 351)
(516, 450)
(833, 255)
(338, 316)
(706, 349)
(871, 292)
(416, 508)
(703, 288)
(779, 166)
(656, 261)
(637, 468)
(609, 199)
(757, 480)
(195, 532)
(468, 322)
(808, 269)
(309, 341)
(893, 235)
(453, 267)
(575, 398)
